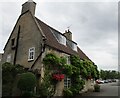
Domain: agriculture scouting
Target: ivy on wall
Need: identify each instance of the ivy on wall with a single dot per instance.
(78, 70)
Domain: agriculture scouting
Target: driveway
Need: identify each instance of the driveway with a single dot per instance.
(107, 89)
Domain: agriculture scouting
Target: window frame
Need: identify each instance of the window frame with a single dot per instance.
(31, 54)
(74, 46)
(13, 42)
(67, 82)
(68, 60)
(8, 58)
(59, 37)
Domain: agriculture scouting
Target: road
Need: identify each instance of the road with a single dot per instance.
(106, 89)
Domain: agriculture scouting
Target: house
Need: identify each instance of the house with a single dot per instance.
(1, 57)
(31, 39)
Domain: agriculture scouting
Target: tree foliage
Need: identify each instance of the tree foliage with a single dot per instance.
(109, 74)
(9, 72)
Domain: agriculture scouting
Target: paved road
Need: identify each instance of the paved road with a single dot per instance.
(107, 89)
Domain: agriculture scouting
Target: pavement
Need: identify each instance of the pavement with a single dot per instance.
(106, 89)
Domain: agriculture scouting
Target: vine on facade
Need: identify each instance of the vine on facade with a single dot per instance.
(78, 70)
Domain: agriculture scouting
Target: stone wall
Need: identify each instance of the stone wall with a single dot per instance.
(89, 86)
(30, 36)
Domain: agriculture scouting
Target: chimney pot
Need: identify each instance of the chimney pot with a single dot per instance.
(68, 34)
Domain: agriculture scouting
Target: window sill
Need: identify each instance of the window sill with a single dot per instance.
(30, 60)
(13, 47)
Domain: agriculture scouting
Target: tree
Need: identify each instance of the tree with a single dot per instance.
(109, 74)
(9, 72)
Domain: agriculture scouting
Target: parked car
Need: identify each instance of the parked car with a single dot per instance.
(109, 80)
(99, 81)
(113, 80)
(105, 81)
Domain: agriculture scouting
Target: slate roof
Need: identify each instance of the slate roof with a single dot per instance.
(51, 41)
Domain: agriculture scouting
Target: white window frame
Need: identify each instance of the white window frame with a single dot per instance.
(74, 46)
(31, 54)
(8, 58)
(67, 82)
(68, 59)
(60, 38)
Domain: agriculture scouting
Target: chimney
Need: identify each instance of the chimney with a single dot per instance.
(68, 34)
(29, 5)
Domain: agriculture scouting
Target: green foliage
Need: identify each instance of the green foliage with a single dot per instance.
(91, 69)
(75, 60)
(51, 59)
(77, 85)
(27, 94)
(9, 72)
(68, 69)
(47, 87)
(109, 74)
(67, 92)
(27, 81)
(77, 69)
(97, 88)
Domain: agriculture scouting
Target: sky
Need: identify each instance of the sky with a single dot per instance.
(93, 23)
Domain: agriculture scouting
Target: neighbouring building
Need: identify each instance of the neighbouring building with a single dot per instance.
(31, 39)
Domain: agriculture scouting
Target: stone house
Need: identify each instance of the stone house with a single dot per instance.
(1, 57)
(31, 39)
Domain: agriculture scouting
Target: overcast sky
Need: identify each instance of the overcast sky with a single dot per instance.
(94, 25)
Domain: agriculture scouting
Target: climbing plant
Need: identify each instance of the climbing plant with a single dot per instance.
(92, 70)
(58, 65)
(78, 70)
(47, 86)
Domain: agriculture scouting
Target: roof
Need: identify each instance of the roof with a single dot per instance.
(51, 41)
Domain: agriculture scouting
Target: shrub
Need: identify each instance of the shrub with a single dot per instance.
(9, 73)
(97, 88)
(67, 92)
(27, 94)
(27, 82)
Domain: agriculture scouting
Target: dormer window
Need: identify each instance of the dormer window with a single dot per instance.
(74, 46)
(60, 37)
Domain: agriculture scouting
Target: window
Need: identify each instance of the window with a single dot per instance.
(60, 37)
(31, 54)
(74, 46)
(8, 58)
(67, 82)
(13, 42)
(68, 59)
